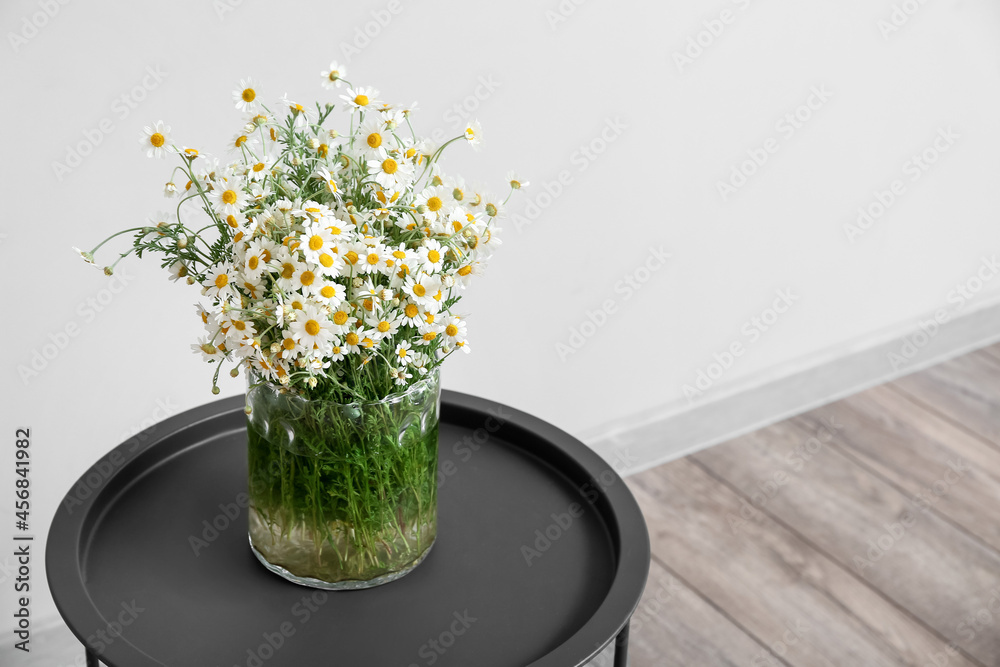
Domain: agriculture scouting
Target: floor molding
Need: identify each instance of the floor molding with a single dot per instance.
(674, 430)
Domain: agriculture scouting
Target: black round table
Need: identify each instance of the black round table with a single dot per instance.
(541, 557)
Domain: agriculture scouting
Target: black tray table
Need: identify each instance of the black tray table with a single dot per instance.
(541, 557)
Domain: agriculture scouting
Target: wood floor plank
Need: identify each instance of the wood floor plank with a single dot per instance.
(770, 582)
(923, 563)
(674, 626)
(965, 389)
(941, 467)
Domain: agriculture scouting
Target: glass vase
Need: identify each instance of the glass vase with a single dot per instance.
(342, 496)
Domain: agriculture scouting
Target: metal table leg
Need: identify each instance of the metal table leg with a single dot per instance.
(621, 648)
(92, 660)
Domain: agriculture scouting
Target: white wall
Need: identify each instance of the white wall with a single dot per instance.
(556, 89)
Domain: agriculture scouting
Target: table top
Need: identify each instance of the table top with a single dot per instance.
(541, 557)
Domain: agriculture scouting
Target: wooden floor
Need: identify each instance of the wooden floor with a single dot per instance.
(866, 533)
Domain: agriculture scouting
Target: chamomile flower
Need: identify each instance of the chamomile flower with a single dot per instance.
(431, 201)
(431, 255)
(260, 169)
(289, 346)
(317, 240)
(228, 197)
(155, 140)
(361, 98)
(402, 375)
(390, 171)
(422, 289)
(404, 352)
(312, 328)
(307, 280)
(329, 182)
(411, 315)
(515, 181)
(218, 281)
(178, 271)
(384, 325)
(375, 135)
(473, 133)
(245, 95)
(333, 75)
(331, 293)
(208, 350)
(374, 259)
(454, 330)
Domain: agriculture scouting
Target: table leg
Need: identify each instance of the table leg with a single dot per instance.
(92, 660)
(621, 648)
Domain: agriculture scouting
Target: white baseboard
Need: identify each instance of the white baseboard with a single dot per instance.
(677, 429)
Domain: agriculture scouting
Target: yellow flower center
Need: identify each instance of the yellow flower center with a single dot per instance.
(351, 257)
(239, 325)
(411, 310)
(232, 221)
(361, 100)
(249, 95)
(419, 289)
(307, 278)
(430, 335)
(374, 140)
(326, 260)
(221, 280)
(451, 330)
(252, 263)
(351, 338)
(368, 342)
(288, 344)
(328, 292)
(434, 204)
(312, 327)
(339, 318)
(434, 256)
(334, 230)
(315, 242)
(389, 166)
(382, 327)
(240, 140)
(229, 197)
(297, 305)
(287, 270)
(157, 139)
(372, 258)
(465, 270)
(399, 254)
(402, 352)
(259, 167)
(429, 317)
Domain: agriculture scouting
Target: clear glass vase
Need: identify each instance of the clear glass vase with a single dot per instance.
(342, 496)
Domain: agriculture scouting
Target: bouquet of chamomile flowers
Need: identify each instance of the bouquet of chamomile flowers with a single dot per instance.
(331, 262)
